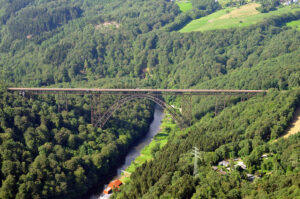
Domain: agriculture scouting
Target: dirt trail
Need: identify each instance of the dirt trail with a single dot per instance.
(295, 126)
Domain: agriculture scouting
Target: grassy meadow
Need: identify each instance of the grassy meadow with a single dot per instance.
(233, 17)
(159, 139)
(184, 5)
(295, 24)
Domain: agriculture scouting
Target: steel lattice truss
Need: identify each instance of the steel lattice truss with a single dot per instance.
(99, 118)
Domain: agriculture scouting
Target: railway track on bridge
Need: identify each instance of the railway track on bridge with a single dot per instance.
(99, 118)
(136, 91)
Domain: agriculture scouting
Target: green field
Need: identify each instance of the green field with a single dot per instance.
(224, 2)
(233, 17)
(160, 139)
(184, 6)
(295, 24)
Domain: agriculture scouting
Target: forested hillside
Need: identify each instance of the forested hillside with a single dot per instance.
(45, 153)
(92, 54)
(241, 131)
(51, 154)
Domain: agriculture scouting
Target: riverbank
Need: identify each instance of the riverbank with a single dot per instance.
(149, 151)
(135, 150)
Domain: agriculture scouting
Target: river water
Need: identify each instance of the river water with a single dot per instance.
(135, 151)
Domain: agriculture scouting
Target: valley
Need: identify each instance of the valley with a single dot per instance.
(62, 145)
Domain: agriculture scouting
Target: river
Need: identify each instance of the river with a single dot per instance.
(135, 151)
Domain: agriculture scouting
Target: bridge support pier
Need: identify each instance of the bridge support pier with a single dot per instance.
(187, 108)
(219, 105)
(95, 108)
(62, 102)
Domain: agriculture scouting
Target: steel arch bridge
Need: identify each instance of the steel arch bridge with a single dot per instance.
(99, 119)
(112, 109)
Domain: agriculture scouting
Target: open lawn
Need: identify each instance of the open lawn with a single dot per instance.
(233, 17)
(244, 11)
(223, 3)
(295, 24)
(184, 5)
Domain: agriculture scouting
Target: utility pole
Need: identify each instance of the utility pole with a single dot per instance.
(197, 154)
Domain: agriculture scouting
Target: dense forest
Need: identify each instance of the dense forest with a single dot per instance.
(47, 153)
(51, 154)
(240, 131)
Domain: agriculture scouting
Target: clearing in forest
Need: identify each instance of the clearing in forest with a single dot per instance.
(295, 127)
(244, 11)
(295, 24)
(184, 5)
(233, 17)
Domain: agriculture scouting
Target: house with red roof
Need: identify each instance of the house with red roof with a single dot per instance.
(115, 184)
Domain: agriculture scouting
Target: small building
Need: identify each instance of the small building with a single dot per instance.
(115, 184)
(107, 190)
(221, 172)
(286, 3)
(241, 164)
(251, 177)
(224, 163)
(265, 155)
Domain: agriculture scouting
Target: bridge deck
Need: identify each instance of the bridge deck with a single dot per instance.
(130, 91)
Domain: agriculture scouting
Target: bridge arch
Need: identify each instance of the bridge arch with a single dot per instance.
(102, 119)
